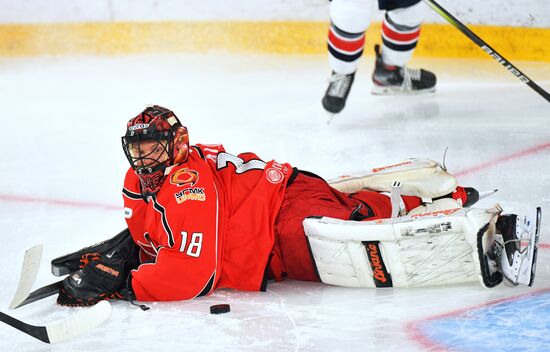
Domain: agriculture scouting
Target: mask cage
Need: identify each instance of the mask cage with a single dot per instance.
(152, 160)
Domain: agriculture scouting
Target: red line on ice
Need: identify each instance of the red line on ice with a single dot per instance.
(517, 155)
(59, 202)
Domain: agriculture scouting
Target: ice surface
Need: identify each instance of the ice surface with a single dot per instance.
(62, 170)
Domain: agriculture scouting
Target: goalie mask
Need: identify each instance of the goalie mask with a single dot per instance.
(154, 140)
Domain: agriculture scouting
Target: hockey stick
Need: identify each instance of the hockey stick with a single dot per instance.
(73, 326)
(60, 266)
(39, 294)
(29, 270)
(487, 48)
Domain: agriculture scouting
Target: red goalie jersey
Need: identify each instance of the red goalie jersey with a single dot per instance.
(210, 226)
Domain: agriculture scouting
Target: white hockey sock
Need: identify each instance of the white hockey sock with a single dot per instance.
(346, 37)
(400, 33)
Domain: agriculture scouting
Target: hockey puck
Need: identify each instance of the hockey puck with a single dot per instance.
(220, 309)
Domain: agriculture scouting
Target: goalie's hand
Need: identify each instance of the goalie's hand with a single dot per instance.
(98, 280)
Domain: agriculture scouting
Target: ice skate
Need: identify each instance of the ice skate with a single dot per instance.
(400, 80)
(337, 92)
(515, 247)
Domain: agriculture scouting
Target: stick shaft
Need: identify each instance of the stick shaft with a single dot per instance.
(487, 48)
(38, 332)
(41, 293)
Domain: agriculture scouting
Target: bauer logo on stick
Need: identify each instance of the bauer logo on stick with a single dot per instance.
(506, 64)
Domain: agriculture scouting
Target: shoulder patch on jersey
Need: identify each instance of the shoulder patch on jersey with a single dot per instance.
(274, 175)
(128, 212)
(184, 177)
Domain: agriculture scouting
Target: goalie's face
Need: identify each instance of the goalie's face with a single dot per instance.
(148, 154)
(154, 140)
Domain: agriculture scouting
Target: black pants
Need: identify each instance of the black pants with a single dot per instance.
(395, 4)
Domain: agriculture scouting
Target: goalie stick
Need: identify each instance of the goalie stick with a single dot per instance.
(55, 332)
(60, 266)
(487, 48)
(43, 292)
(29, 271)
(73, 326)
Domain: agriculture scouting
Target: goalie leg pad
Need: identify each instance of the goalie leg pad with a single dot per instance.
(436, 206)
(490, 276)
(422, 178)
(419, 250)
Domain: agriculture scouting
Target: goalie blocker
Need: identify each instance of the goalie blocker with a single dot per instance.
(424, 249)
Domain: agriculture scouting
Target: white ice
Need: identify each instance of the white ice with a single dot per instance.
(62, 168)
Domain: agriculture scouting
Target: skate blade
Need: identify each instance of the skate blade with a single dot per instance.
(527, 267)
(380, 90)
(534, 248)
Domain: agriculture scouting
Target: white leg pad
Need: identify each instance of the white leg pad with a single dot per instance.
(436, 205)
(421, 250)
(422, 178)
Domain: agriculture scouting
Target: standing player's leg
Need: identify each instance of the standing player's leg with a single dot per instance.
(400, 34)
(349, 20)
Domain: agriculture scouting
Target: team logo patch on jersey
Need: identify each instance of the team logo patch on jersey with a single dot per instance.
(128, 213)
(190, 194)
(184, 177)
(274, 175)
